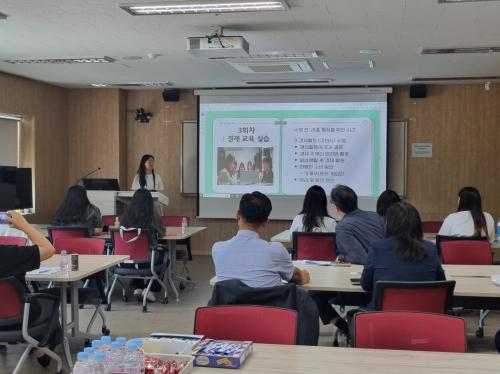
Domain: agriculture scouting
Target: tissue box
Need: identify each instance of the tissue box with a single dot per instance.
(222, 353)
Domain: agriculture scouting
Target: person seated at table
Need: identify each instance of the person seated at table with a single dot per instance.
(469, 219)
(356, 229)
(140, 214)
(314, 215)
(250, 259)
(403, 255)
(228, 174)
(76, 210)
(385, 200)
(17, 261)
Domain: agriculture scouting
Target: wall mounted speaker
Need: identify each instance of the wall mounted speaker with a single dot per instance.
(171, 94)
(418, 91)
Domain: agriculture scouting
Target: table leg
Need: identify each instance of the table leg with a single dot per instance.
(75, 310)
(171, 268)
(64, 323)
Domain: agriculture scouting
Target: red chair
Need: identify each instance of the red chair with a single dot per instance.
(59, 232)
(431, 297)
(318, 246)
(260, 324)
(431, 227)
(16, 326)
(468, 252)
(414, 331)
(145, 261)
(13, 240)
(88, 296)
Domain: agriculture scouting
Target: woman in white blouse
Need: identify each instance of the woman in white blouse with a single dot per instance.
(469, 220)
(146, 176)
(314, 216)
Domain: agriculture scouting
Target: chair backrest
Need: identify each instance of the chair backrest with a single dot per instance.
(59, 232)
(173, 221)
(109, 220)
(134, 244)
(445, 238)
(431, 226)
(414, 331)
(13, 240)
(466, 252)
(82, 246)
(12, 306)
(260, 324)
(432, 297)
(314, 246)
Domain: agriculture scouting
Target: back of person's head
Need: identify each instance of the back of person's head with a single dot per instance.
(344, 198)
(403, 222)
(255, 208)
(470, 199)
(385, 200)
(73, 208)
(314, 208)
(140, 210)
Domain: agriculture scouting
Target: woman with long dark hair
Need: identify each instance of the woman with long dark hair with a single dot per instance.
(140, 214)
(403, 255)
(469, 219)
(146, 176)
(385, 200)
(314, 214)
(76, 210)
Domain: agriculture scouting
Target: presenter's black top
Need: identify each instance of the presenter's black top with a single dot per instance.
(355, 233)
(382, 264)
(16, 260)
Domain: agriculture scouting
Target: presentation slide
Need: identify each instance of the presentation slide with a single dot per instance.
(282, 145)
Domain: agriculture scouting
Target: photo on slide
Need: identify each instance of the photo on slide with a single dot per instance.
(245, 166)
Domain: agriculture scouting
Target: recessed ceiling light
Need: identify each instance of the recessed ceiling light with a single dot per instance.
(461, 1)
(202, 7)
(79, 60)
(369, 51)
(100, 85)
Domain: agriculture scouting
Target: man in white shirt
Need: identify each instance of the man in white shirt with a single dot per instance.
(254, 261)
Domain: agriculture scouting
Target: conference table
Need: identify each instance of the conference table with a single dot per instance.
(296, 359)
(88, 265)
(173, 234)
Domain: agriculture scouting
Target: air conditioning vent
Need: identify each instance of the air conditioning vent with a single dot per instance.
(282, 82)
(271, 66)
(447, 51)
(439, 79)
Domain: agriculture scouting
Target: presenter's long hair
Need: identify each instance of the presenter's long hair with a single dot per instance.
(470, 199)
(141, 172)
(140, 210)
(74, 207)
(315, 208)
(403, 222)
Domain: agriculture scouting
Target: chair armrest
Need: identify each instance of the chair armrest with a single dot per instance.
(53, 320)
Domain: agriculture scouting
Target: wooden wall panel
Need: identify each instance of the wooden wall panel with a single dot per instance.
(463, 124)
(94, 133)
(44, 107)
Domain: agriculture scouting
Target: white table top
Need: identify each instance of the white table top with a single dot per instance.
(88, 265)
(296, 359)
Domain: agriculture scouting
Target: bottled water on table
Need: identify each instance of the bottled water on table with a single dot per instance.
(64, 263)
(114, 358)
(82, 365)
(106, 343)
(100, 366)
(132, 363)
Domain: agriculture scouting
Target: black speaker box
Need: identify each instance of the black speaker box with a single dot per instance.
(418, 91)
(171, 94)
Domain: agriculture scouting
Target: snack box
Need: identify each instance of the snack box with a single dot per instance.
(172, 343)
(161, 357)
(222, 353)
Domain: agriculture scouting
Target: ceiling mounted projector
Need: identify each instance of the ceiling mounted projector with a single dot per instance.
(218, 46)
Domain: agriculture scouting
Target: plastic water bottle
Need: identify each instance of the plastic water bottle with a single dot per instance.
(131, 362)
(82, 365)
(90, 352)
(498, 230)
(100, 366)
(114, 358)
(140, 352)
(64, 263)
(97, 345)
(184, 224)
(106, 343)
(123, 341)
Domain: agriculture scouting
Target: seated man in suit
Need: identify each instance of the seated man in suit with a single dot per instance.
(250, 259)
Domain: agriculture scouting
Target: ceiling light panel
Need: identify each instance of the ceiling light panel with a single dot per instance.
(461, 1)
(447, 51)
(203, 7)
(79, 60)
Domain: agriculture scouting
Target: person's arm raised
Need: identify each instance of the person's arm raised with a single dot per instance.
(46, 249)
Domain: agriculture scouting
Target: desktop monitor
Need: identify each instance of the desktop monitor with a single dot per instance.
(24, 189)
(101, 184)
(7, 188)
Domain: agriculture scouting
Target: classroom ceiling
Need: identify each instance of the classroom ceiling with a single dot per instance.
(336, 29)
